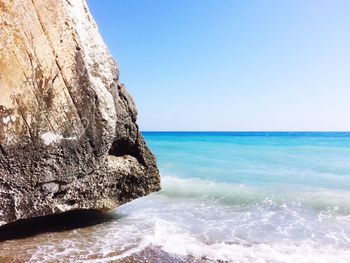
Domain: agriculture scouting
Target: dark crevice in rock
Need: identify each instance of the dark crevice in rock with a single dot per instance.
(123, 147)
(54, 223)
(22, 115)
(2, 150)
(59, 194)
(54, 78)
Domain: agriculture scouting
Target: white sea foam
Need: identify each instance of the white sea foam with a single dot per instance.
(182, 223)
(336, 201)
(196, 188)
(174, 240)
(189, 218)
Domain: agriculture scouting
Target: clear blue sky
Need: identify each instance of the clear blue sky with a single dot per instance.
(232, 65)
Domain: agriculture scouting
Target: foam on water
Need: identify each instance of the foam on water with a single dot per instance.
(240, 194)
(176, 241)
(234, 197)
(204, 221)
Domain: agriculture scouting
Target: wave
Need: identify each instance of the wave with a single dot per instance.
(175, 241)
(199, 188)
(326, 200)
(196, 220)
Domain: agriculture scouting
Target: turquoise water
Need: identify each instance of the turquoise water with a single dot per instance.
(260, 159)
(249, 197)
(228, 197)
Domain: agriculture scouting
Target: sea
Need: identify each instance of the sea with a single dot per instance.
(226, 197)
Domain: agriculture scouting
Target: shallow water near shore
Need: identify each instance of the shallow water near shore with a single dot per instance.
(235, 197)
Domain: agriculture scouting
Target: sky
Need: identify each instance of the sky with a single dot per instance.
(232, 65)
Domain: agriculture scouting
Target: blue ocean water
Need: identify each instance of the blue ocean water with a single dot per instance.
(262, 159)
(227, 197)
(249, 196)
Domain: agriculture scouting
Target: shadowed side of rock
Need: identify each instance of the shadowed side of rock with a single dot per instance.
(68, 133)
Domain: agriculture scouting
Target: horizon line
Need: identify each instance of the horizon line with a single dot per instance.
(261, 131)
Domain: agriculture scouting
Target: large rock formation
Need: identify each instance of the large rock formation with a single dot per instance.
(68, 137)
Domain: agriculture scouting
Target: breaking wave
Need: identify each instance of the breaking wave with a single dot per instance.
(241, 195)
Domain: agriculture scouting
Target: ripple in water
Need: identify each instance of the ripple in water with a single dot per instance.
(234, 198)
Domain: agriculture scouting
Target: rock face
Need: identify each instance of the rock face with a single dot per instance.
(68, 137)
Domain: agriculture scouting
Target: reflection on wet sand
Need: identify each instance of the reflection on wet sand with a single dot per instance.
(69, 237)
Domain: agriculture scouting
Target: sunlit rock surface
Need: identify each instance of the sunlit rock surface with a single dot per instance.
(68, 137)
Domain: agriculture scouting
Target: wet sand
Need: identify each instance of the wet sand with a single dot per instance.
(40, 240)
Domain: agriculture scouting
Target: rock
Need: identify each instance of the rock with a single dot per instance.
(68, 137)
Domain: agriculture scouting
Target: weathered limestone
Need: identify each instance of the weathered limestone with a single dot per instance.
(68, 137)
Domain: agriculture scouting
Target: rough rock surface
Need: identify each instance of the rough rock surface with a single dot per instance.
(68, 137)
